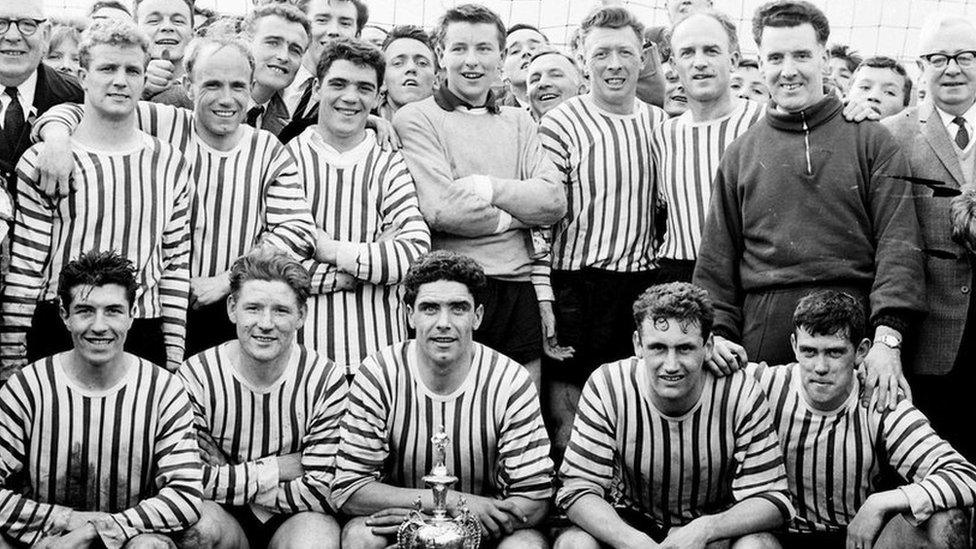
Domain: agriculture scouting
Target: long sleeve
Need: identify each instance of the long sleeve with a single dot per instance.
(22, 519)
(523, 449)
(760, 469)
(178, 490)
(588, 465)
(363, 446)
(405, 236)
(717, 268)
(939, 477)
(30, 252)
(447, 207)
(289, 225)
(174, 284)
(897, 294)
(67, 115)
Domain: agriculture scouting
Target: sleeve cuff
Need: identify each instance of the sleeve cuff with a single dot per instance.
(347, 257)
(267, 473)
(543, 292)
(898, 322)
(504, 222)
(918, 501)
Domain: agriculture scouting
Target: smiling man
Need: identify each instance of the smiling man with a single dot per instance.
(602, 250)
(103, 439)
(484, 180)
(267, 415)
(552, 78)
(442, 379)
(688, 459)
(135, 192)
(836, 450)
(411, 68)
(169, 26)
(521, 41)
(364, 205)
(687, 149)
(807, 200)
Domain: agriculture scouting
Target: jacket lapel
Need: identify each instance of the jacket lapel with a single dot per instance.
(937, 137)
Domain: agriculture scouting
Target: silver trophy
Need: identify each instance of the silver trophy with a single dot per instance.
(439, 531)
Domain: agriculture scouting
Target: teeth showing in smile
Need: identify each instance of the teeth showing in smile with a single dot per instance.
(225, 114)
(614, 81)
(277, 69)
(670, 378)
(263, 339)
(471, 75)
(791, 86)
(347, 112)
(548, 96)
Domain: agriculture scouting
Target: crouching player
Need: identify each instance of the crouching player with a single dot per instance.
(835, 448)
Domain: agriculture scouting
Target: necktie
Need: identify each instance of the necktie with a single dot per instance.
(304, 100)
(252, 116)
(962, 136)
(13, 120)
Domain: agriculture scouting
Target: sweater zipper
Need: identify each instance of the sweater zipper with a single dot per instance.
(806, 141)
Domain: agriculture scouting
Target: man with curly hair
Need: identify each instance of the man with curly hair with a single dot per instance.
(663, 451)
(442, 379)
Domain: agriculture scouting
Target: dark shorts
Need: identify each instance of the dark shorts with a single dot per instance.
(511, 324)
(674, 270)
(595, 315)
(258, 533)
(208, 327)
(47, 335)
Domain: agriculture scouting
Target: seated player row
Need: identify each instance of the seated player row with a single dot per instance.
(268, 445)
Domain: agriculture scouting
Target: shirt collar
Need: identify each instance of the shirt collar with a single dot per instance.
(450, 102)
(25, 93)
(969, 116)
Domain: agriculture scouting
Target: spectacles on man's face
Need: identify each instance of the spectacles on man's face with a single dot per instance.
(964, 59)
(26, 26)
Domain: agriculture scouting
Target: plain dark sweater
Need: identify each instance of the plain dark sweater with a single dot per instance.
(806, 199)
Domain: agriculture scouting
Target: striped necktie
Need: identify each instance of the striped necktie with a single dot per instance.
(962, 136)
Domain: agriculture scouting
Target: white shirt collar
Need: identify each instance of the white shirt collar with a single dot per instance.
(294, 92)
(25, 94)
(969, 116)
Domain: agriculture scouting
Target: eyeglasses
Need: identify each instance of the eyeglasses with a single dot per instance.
(964, 59)
(26, 26)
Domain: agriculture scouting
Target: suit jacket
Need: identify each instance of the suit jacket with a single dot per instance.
(936, 177)
(53, 88)
(276, 117)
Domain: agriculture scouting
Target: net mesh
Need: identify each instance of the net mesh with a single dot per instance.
(871, 27)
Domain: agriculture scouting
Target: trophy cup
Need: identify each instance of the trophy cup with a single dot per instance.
(439, 531)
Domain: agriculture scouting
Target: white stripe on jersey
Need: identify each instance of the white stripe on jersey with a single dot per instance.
(686, 156)
(610, 178)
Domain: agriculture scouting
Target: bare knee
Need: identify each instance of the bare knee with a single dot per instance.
(216, 529)
(949, 529)
(524, 539)
(576, 538)
(357, 535)
(150, 541)
(309, 529)
(761, 540)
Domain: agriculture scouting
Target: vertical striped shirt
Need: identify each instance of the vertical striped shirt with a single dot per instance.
(609, 174)
(300, 412)
(136, 202)
(833, 458)
(249, 193)
(687, 155)
(129, 451)
(498, 445)
(364, 198)
(673, 469)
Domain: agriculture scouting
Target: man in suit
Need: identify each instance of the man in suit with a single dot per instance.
(938, 137)
(28, 88)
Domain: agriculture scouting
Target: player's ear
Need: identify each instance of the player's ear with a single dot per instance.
(231, 306)
(861, 351)
(410, 311)
(479, 314)
(638, 348)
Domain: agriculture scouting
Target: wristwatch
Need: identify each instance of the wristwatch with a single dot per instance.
(888, 340)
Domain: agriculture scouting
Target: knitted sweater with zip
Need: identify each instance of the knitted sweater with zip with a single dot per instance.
(806, 199)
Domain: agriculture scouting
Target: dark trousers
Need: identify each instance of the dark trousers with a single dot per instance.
(768, 319)
(47, 336)
(208, 327)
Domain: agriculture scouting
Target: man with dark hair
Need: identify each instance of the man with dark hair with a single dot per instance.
(842, 61)
(747, 82)
(484, 180)
(135, 194)
(329, 19)
(279, 37)
(364, 204)
(552, 77)
(802, 160)
(108, 9)
(663, 451)
(521, 41)
(602, 250)
(411, 68)
(882, 83)
(268, 460)
(837, 452)
(169, 26)
(938, 137)
(486, 402)
(103, 439)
